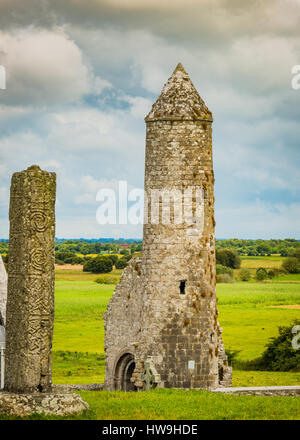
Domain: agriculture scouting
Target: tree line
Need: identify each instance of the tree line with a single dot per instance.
(252, 248)
(283, 247)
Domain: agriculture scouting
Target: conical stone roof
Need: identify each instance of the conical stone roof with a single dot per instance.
(179, 100)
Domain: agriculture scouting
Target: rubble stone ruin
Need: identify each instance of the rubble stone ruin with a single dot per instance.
(161, 325)
(30, 299)
(3, 292)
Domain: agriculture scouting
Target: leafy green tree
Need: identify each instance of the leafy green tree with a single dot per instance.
(271, 273)
(259, 247)
(291, 265)
(113, 258)
(121, 263)
(124, 252)
(229, 258)
(283, 253)
(232, 355)
(244, 274)
(296, 253)
(98, 265)
(88, 265)
(102, 265)
(263, 249)
(77, 260)
(221, 270)
(86, 249)
(66, 257)
(127, 257)
(279, 354)
(261, 274)
(224, 278)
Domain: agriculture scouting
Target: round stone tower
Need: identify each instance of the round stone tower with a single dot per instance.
(176, 340)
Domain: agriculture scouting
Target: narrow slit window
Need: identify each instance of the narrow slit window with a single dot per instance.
(182, 287)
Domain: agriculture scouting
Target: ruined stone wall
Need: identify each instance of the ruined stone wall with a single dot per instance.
(30, 299)
(123, 320)
(3, 289)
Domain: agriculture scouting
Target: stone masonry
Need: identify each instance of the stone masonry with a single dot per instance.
(30, 299)
(3, 290)
(161, 326)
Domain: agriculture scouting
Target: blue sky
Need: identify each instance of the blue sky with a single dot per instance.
(81, 76)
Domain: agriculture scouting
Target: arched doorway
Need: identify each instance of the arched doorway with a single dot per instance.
(123, 372)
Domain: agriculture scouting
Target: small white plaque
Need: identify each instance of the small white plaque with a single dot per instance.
(191, 365)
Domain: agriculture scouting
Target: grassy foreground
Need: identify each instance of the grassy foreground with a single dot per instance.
(183, 405)
(186, 405)
(248, 319)
(249, 313)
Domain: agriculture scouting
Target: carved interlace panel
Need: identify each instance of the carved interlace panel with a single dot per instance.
(30, 301)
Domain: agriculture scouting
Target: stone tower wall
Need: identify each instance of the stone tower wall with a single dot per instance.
(179, 343)
(30, 299)
(182, 326)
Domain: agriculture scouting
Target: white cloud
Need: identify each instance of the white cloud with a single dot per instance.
(24, 147)
(238, 54)
(154, 4)
(89, 129)
(203, 22)
(50, 165)
(90, 187)
(43, 67)
(9, 112)
(100, 84)
(253, 63)
(3, 170)
(4, 196)
(140, 107)
(87, 227)
(82, 122)
(259, 220)
(226, 102)
(259, 154)
(246, 73)
(4, 226)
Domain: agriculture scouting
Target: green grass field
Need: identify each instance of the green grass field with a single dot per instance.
(256, 262)
(242, 306)
(246, 313)
(272, 262)
(249, 312)
(183, 405)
